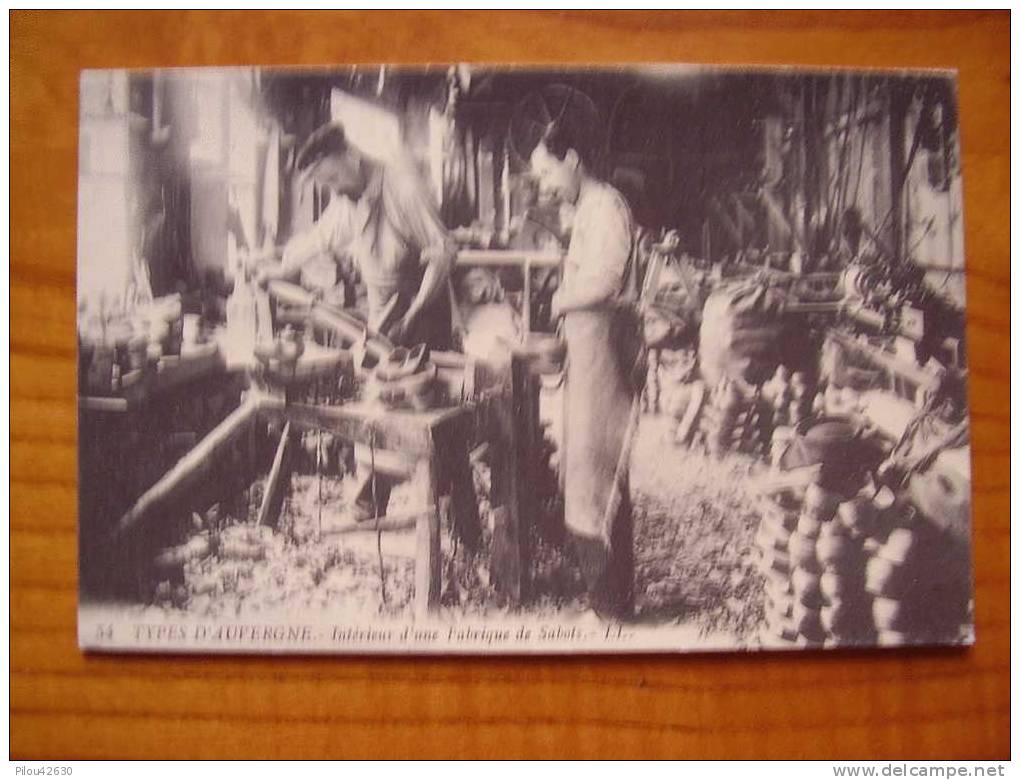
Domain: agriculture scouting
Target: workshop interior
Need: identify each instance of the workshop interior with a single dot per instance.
(795, 464)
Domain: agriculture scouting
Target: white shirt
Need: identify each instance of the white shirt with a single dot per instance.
(394, 225)
(600, 243)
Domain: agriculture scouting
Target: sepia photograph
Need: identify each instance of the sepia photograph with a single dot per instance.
(506, 359)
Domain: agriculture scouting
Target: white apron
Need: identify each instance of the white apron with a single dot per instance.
(601, 353)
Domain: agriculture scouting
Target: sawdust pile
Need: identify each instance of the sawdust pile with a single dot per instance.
(694, 530)
(694, 524)
(299, 565)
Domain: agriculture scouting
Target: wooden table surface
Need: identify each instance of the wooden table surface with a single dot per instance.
(864, 705)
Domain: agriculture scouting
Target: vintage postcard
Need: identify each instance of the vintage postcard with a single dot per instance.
(481, 359)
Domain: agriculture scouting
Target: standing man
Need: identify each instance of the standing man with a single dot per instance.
(384, 218)
(596, 301)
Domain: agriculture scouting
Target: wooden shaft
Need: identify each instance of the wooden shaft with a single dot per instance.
(507, 257)
(399, 431)
(272, 497)
(351, 330)
(192, 467)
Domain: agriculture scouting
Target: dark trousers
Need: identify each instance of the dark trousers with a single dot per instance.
(455, 480)
(609, 572)
(433, 327)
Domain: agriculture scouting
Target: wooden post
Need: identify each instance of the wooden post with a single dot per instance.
(512, 488)
(528, 421)
(503, 464)
(505, 560)
(272, 497)
(428, 559)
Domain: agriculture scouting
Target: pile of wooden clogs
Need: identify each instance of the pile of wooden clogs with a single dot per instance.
(742, 417)
(857, 571)
(789, 396)
(813, 568)
(779, 519)
(734, 418)
(919, 576)
(406, 379)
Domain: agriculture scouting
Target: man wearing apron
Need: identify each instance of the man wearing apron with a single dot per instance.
(602, 366)
(383, 216)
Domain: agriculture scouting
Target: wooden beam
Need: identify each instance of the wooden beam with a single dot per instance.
(406, 433)
(272, 496)
(350, 330)
(507, 257)
(410, 433)
(190, 469)
(111, 405)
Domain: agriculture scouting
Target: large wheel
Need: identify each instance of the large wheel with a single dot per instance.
(533, 115)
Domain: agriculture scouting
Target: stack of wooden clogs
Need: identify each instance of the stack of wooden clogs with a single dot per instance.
(858, 571)
(734, 419)
(815, 590)
(789, 396)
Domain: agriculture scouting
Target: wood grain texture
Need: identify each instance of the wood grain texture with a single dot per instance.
(872, 704)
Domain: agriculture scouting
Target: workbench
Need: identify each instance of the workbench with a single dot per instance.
(402, 443)
(918, 704)
(170, 375)
(411, 445)
(129, 440)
